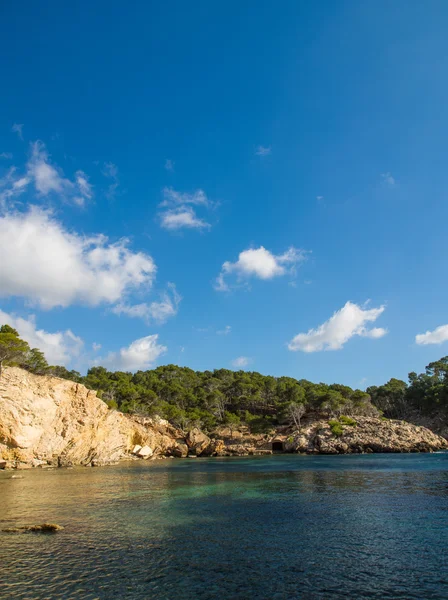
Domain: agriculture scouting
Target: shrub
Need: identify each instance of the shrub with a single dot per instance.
(336, 428)
(347, 421)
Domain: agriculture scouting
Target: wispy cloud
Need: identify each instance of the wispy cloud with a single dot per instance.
(261, 264)
(18, 128)
(110, 170)
(388, 179)
(6, 155)
(12, 185)
(84, 187)
(263, 150)
(46, 177)
(241, 362)
(169, 164)
(153, 312)
(227, 329)
(178, 212)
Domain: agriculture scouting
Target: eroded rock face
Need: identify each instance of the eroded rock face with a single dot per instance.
(63, 423)
(316, 437)
(368, 435)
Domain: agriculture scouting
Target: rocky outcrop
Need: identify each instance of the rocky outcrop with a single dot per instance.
(52, 420)
(365, 435)
(317, 436)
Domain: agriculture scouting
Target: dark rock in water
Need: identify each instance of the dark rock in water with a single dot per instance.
(44, 528)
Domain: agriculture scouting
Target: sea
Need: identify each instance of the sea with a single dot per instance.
(279, 527)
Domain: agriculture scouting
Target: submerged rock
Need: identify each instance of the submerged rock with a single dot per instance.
(44, 528)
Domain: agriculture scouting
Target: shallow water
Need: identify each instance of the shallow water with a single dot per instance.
(277, 528)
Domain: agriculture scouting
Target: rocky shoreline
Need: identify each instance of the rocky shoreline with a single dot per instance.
(50, 422)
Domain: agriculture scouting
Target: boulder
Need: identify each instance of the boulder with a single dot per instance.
(2, 464)
(145, 452)
(215, 448)
(197, 441)
(136, 449)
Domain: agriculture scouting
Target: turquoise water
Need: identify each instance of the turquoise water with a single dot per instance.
(277, 528)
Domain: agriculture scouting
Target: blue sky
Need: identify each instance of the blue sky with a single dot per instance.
(208, 183)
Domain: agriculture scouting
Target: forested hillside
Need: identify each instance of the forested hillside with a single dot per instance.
(210, 398)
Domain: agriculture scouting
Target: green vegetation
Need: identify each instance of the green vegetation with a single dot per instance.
(426, 393)
(336, 428)
(208, 399)
(13, 350)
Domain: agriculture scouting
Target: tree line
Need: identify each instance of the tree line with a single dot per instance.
(208, 399)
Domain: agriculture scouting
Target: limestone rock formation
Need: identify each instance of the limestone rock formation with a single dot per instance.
(61, 422)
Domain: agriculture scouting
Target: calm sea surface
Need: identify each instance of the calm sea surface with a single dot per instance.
(279, 527)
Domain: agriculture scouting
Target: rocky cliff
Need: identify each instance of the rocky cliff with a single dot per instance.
(47, 421)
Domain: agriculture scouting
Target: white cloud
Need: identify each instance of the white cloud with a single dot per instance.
(227, 329)
(45, 176)
(438, 336)
(158, 312)
(96, 347)
(182, 218)
(47, 179)
(347, 322)
(139, 355)
(169, 165)
(11, 186)
(111, 172)
(51, 266)
(18, 128)
(388, 179)
(59, 348)
(84, 187)
(178, 210)
(263, 150)
(241, 362)
(260, 263)
(171, 197)
(6, 155)
(375, 333)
